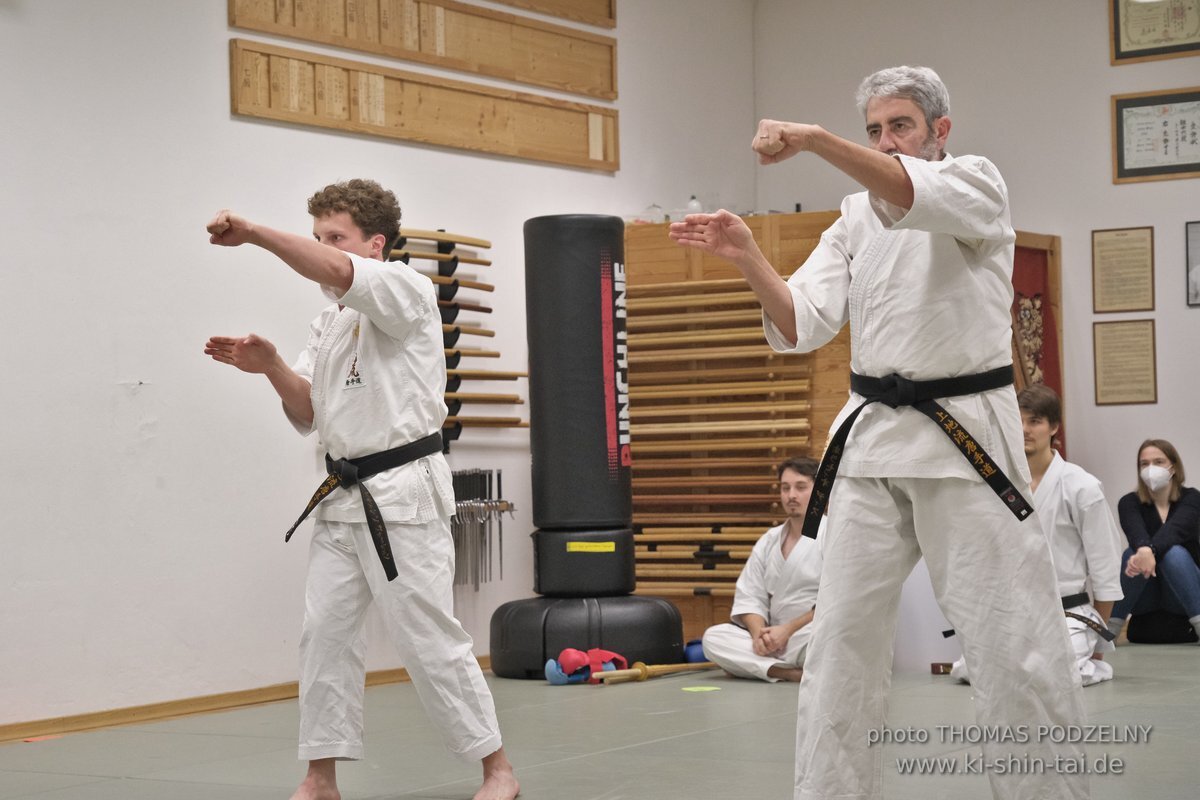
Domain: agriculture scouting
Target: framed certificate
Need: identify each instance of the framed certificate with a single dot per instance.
(1192, 263)
(1123, 270)
(1156, 135)
(1124, 362)
(1145, 31)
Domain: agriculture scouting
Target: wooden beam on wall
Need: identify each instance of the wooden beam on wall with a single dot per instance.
(594, 12)
(277, 83)
(447, 34)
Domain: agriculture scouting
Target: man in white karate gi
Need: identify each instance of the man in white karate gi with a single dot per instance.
(776, 593)
(920, 266)
(1085, 542)
(371, 383)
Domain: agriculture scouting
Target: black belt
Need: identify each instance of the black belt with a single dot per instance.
(1069, 602)
(895, 391)
(1076, 600)
(347, 472)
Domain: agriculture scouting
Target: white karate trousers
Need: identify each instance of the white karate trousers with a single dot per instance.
(1084, 642)
(730, 648)
(993, 579)
(417, 608)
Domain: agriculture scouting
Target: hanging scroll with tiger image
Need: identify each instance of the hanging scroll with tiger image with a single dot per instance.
(1037, 315)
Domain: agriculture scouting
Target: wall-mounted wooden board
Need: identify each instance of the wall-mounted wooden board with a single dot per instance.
(593, 12)
(447, 34)
(276, 83)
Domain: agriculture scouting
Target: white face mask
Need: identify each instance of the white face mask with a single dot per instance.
(1155, 477)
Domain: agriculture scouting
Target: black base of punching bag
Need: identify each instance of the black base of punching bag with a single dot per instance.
(527, 633)
(583, 563)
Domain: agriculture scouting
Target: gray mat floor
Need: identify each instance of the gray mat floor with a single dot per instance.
(699, 735)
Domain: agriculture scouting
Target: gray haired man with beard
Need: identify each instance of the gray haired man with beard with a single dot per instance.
(929, 445)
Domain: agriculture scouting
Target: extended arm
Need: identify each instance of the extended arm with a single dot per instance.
(308, 257)
(879, 173)
(726, 236)
(256, 355)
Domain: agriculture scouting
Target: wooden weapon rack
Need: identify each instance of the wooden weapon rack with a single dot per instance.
(437, 255)
(713, 410)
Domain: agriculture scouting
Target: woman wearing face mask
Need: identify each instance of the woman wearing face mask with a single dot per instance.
(1161, 520)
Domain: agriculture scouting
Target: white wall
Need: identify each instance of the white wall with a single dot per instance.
(144, 489)
(1029, 87)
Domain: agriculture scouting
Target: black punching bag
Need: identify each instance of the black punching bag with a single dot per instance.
(578, 357)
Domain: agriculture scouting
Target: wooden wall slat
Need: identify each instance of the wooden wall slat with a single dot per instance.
(594, 12)
(448, 34)
(295, 86)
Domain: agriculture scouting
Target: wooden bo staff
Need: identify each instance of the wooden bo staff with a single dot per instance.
(468, 330)
(486, 422)
(446, 281)
(441, 237)
(678, 517)
(659, 589)
(719, 409)
(470, 352)
(459, 305)
(404, 255)
(486, 375)
(685, 287)
(467, 397)
(649, 321)
(775, 446)
(640, 671)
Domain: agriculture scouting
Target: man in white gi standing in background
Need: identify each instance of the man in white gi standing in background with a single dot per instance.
(1085, 542)
(371, 383)
(776, 592)
(920, 265)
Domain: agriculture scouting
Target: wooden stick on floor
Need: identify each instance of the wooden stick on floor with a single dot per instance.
(641, 672)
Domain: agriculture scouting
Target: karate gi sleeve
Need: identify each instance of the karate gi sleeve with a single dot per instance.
(1102, 545)
(820, 293)
(394, 296)
(750, 595)
(961, 197)
(303, 366)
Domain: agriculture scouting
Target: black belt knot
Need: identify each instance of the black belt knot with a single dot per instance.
(344, 468)
(895, 391)
(347, 472)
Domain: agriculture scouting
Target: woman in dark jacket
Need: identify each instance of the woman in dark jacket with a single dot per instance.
(1161, 520)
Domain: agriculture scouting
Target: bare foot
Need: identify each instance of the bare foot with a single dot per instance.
(320, 783)
(790, 674)
(499, 783)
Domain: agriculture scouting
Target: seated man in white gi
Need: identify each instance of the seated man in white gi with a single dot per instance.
(370, 383)
(1085, 542)
(776, 593)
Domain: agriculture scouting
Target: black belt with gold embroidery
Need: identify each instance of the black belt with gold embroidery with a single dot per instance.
(1076, 600)
(895, 391)
(347, 472)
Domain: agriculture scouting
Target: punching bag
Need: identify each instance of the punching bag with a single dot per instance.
(578, 358)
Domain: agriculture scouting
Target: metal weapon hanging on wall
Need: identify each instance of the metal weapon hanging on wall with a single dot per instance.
(478, 526)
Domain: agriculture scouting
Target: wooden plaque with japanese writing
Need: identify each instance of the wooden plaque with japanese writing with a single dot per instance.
(276, 83)
(447, 34)
(593, 12)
